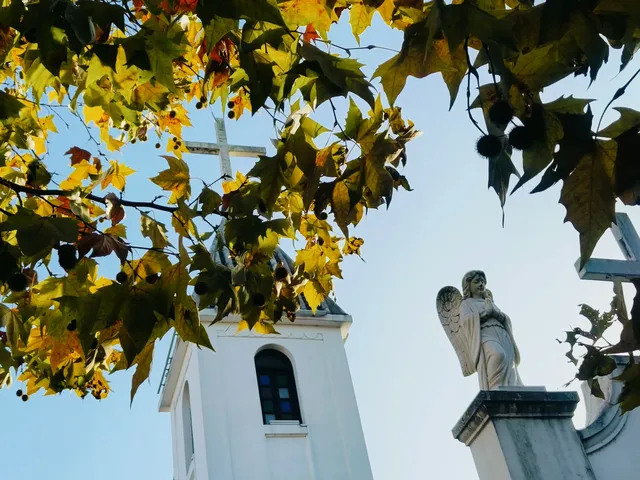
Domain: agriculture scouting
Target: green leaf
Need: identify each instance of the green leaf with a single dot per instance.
(420, 60)
(354, 120)
(215, 30)
(547, 64)
(162, 50)
(588, 197)
(210, 201)
(344, 74)
(629, 119)
(629, 398)
(143, 361)
(260, 10)
(341, 203)
(575, 106)
(536, 158)
(175, 179)
(37, 235)
(585, 31)
(16, 330)
(188, 324)
(9, 106)
(259, 69)
(268, 170)
(155, 231)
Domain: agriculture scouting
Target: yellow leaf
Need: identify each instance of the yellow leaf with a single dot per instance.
(38, 145)
(304, 12)
(118, 230)
(360, 17)
(81, 171)
(65, 351)
(175, 179)
(233, 185)
(114, 144)
(242, 325)
(98, 385)
(93, 114)
(47, 123)
(314, 294)
(116, 175)
(312, 258)
(264, 328)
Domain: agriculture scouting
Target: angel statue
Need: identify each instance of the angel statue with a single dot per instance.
(480, 333)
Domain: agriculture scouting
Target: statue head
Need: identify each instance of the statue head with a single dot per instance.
(474, 284)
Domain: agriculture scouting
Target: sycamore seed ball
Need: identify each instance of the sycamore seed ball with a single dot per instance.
(489, 146)
(521, 138)
(501, 112)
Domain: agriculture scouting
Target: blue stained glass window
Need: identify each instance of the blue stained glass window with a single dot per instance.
(276, 387)
(283, 392)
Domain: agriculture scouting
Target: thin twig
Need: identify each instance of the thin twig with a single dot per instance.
(621, 91)
(474, 72)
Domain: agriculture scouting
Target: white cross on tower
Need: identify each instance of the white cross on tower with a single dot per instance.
(622, 270)
(223, 149)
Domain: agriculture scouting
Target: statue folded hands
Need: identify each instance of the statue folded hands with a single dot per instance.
(480, 332)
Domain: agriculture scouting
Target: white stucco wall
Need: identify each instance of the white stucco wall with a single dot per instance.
(231, 441)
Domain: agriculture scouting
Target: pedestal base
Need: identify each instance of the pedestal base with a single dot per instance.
(522, 433)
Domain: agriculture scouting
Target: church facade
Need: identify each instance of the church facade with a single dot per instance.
(266, 407)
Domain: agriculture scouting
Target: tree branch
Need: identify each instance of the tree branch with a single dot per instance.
(67, 193)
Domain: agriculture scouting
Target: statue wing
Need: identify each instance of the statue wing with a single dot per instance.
(448, 304)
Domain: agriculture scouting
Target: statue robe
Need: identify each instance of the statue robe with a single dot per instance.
(492, 347)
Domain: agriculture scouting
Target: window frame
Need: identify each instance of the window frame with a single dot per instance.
(286, 369)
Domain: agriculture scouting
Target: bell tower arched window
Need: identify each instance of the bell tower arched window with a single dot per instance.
(187, 426)
(277, 387)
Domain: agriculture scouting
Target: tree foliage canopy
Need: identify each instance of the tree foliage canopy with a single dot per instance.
(129, 69)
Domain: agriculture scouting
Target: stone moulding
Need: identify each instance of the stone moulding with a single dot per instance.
(607, 422)
(523, 403)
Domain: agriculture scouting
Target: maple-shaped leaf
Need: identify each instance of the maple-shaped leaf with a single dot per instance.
(175, 179)
(588, 197)
(420, 58)
(78, 154)
(115, 211)
(310, 34)
(36, 235)
(576, 142)
(304, 12)
(162, 49)
(102, 245)
(116, 175)
(269, 171)
(360, 16)
(143, 368)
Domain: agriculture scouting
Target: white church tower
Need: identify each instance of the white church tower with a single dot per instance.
(266, 407)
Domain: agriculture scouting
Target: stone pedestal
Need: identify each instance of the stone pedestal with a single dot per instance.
(524, 434)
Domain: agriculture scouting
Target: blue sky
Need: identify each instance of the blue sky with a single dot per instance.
(408, 383)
